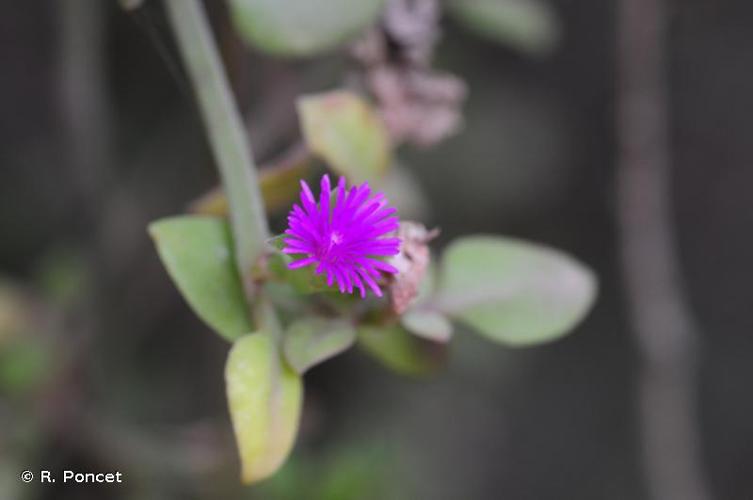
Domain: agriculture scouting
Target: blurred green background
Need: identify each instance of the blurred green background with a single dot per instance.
(103, 367)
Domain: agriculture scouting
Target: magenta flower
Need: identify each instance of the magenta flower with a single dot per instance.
(345, 237)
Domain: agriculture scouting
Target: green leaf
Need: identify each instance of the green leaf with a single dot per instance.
(367, 472)
(63, 275)
(430, 325)
(265, 399)
(513, 292)
(24, 364)
(198, 255)
(345, 131)
(303, 280)
(398, 350)
(302, 27)
(310, 341)
(528, 25)
(364, 471)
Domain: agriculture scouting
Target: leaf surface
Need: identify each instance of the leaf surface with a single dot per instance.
(264, 396)
(198, 255)
(513, 292)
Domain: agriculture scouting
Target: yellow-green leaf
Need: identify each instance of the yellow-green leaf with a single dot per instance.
(430, 325)
(345, 131)
(302, 27)
(198, 255)
(309, 341)
(280, 185)
(265, 398)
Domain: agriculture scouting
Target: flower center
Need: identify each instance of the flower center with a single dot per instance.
(335, 238)
(330, 249)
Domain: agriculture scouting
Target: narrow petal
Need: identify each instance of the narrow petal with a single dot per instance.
(348, 283)
(301, 263)
(308, 200)
(340, 279)
(324, 197)
(294, 251)
(369, 281)
(359, 284)
(387, 268)
(339, 202)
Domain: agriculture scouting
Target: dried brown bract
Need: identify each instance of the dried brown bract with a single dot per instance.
(419, 105)
(412, 263)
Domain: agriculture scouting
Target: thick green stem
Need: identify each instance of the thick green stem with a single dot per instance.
(227, 136)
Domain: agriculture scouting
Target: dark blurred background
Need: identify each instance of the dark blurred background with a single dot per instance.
(100, 136)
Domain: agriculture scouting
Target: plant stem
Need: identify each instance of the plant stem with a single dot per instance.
(227, 135)
(665, 329)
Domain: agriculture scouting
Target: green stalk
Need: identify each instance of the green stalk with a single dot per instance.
(227, 136)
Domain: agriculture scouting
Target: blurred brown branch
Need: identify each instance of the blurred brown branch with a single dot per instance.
(418, 103)
(662, 320)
